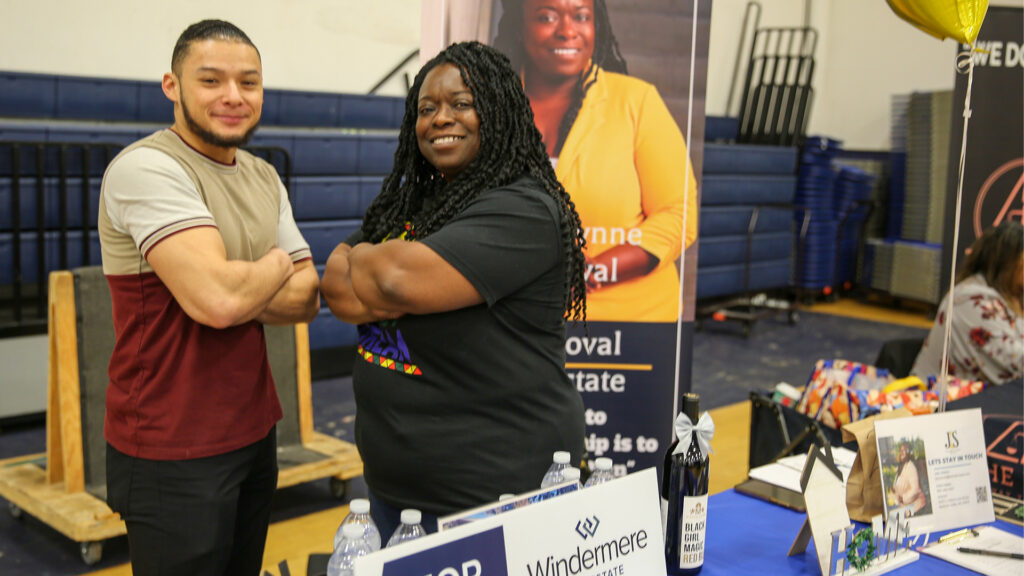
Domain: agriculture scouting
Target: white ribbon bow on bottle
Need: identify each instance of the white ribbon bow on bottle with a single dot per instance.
(684, 432)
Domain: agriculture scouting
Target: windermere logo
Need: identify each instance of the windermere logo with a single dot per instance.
(607, 556)
(587, 527)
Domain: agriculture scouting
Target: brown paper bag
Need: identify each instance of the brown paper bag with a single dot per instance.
(864, 487)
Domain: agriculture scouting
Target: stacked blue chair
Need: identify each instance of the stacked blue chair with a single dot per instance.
(745, 241)
(815, 194)
(853, 206)
(897, 192)
(333, 151)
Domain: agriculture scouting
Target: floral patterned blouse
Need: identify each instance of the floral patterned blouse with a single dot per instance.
(986, 341)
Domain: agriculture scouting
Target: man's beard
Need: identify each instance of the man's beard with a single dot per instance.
(211, 138)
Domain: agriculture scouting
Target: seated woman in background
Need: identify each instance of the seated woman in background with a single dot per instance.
(987, 335)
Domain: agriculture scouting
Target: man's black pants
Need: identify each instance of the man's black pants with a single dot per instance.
(197, 517)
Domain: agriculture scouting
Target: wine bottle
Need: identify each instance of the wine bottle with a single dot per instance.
(687, 499)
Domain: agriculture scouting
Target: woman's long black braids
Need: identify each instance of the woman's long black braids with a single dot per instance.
(606, 56)
(510, 146)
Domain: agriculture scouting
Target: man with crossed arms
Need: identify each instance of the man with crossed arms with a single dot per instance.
(200, 250)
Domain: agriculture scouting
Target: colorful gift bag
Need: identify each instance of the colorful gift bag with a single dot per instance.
(834, 394)
(839, 392)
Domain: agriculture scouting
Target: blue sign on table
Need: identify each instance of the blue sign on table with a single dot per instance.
(475, 555)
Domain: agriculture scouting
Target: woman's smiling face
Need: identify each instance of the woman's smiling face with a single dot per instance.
(447, 125)
(558, 36)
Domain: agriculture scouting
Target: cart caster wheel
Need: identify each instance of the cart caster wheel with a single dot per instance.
(92, 552)
(16, 512)
(793, 318)
(339, 488)
(698, 325)
(747, 329)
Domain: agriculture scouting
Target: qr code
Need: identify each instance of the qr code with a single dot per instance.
(981, 493)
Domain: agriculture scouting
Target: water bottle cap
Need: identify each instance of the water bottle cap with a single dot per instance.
(561, 457)
(411, 516)
(359, 506)
(570, 474)
(352, 531)
(603, 463)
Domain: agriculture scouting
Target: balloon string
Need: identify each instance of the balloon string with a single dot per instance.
(944, 367)
(686, 207)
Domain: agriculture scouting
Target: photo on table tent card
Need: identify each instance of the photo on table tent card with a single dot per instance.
(934, 467)
(904, 466)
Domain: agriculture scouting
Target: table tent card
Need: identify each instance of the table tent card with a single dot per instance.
(934, 470)
(611, 528)
(825, 497)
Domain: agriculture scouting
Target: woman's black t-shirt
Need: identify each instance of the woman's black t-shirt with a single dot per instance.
(456, 408)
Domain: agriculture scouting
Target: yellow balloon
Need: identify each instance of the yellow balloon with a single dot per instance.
(957, 19)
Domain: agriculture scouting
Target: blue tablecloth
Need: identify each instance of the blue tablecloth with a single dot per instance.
(750, 536)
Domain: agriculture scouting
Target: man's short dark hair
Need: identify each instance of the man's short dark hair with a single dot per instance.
(206, 30)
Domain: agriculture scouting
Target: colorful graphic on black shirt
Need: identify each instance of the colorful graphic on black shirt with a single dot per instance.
(381, 344)
(377, 344)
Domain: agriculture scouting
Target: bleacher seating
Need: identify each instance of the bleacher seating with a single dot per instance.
(721, 128)
(314, 196)
(738, 180)
(332, 152)
(48, 96)
(29, 209)
(338, 146)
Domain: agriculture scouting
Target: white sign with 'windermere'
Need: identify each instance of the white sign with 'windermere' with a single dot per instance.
(609, 529)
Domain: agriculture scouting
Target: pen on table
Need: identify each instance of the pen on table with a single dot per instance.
(959, 535)
(1013, 555)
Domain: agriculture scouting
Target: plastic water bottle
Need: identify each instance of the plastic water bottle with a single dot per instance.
(602, 472)
(352, 546)
(410, 528)
(359, 513)
(571, 474)
(560, 461)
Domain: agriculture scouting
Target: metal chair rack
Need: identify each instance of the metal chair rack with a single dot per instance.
(777, 93)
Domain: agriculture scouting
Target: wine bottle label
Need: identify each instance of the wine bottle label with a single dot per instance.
(693, 525)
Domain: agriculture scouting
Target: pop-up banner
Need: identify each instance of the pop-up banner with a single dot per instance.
(993, 186)
(630, 155)
(611, 528)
